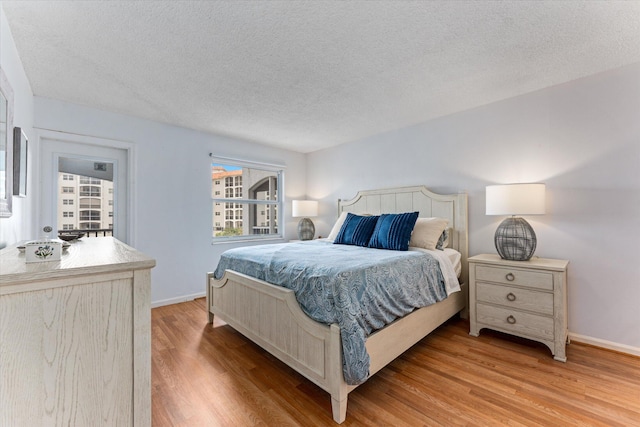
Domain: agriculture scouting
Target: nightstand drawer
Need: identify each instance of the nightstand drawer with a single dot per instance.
(515, 321)
(512, 276)
(538, 302)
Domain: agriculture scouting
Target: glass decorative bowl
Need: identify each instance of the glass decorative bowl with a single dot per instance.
(70, 235)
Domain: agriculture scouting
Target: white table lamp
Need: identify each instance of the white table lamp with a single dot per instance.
(515, 239)
(305, 209)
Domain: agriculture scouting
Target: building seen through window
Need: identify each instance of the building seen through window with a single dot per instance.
(85, 203)
(245, 201)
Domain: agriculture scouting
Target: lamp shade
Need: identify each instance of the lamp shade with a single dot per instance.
(304, 208)
(515, 199)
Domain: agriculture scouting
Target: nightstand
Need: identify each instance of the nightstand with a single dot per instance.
(523, 298)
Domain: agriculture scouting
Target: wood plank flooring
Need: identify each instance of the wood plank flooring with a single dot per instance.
(213, 376)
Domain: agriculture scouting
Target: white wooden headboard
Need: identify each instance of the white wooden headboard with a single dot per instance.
(410, 199)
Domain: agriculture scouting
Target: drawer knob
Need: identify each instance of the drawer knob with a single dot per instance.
(511, 296)
(511, 320)
(510, 277)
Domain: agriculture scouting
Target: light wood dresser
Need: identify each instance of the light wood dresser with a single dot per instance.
(523, 298)
(75, 337)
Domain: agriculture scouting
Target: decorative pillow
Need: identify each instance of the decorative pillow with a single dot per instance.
(443, 241)
(356, 230)
(427, 232)
(393, 231)
(336, 227)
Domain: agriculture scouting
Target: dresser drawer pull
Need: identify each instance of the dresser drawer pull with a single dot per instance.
(510, 277)
(511, 320)
(511, 296)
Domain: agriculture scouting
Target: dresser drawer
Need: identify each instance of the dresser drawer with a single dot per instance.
(520, 323)
(536, 301)
(513, 276)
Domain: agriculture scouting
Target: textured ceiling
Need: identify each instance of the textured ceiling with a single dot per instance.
(306, 75)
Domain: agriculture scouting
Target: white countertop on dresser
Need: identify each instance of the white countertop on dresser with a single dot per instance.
(89, 255)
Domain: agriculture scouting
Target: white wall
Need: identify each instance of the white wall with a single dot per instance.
(581, 138)
(17, 227)
(172, 217)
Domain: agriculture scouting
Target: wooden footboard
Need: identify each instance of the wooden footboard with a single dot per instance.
(271, 317)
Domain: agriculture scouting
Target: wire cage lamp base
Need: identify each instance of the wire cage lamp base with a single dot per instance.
(515, 239)
(306, 229)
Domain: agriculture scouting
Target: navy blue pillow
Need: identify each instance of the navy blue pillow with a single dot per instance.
(393, 231)
(356, 230)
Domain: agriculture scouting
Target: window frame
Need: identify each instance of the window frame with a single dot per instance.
(278, 170)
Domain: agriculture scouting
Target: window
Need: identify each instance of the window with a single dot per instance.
(67, 201)
(89, 203)
(90, 216)
(90, 191)
(67, 214)
(251, 202)
(89, 180)
(68, 190)
(89, 226)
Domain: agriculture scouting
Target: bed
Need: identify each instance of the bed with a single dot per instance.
(270, 315)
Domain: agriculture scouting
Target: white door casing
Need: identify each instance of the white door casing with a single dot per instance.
(54, 145)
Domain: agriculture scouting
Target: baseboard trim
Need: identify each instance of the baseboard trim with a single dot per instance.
(596, 342)
(177, 300)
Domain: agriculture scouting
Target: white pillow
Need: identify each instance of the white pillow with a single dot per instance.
(336, 227)
(427, 231)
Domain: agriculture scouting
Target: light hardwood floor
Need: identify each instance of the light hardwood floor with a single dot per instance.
(204, 376)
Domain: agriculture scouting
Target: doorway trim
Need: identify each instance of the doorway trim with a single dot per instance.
(129, 147)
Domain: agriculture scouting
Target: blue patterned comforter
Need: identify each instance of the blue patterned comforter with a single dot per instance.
(360, 289)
